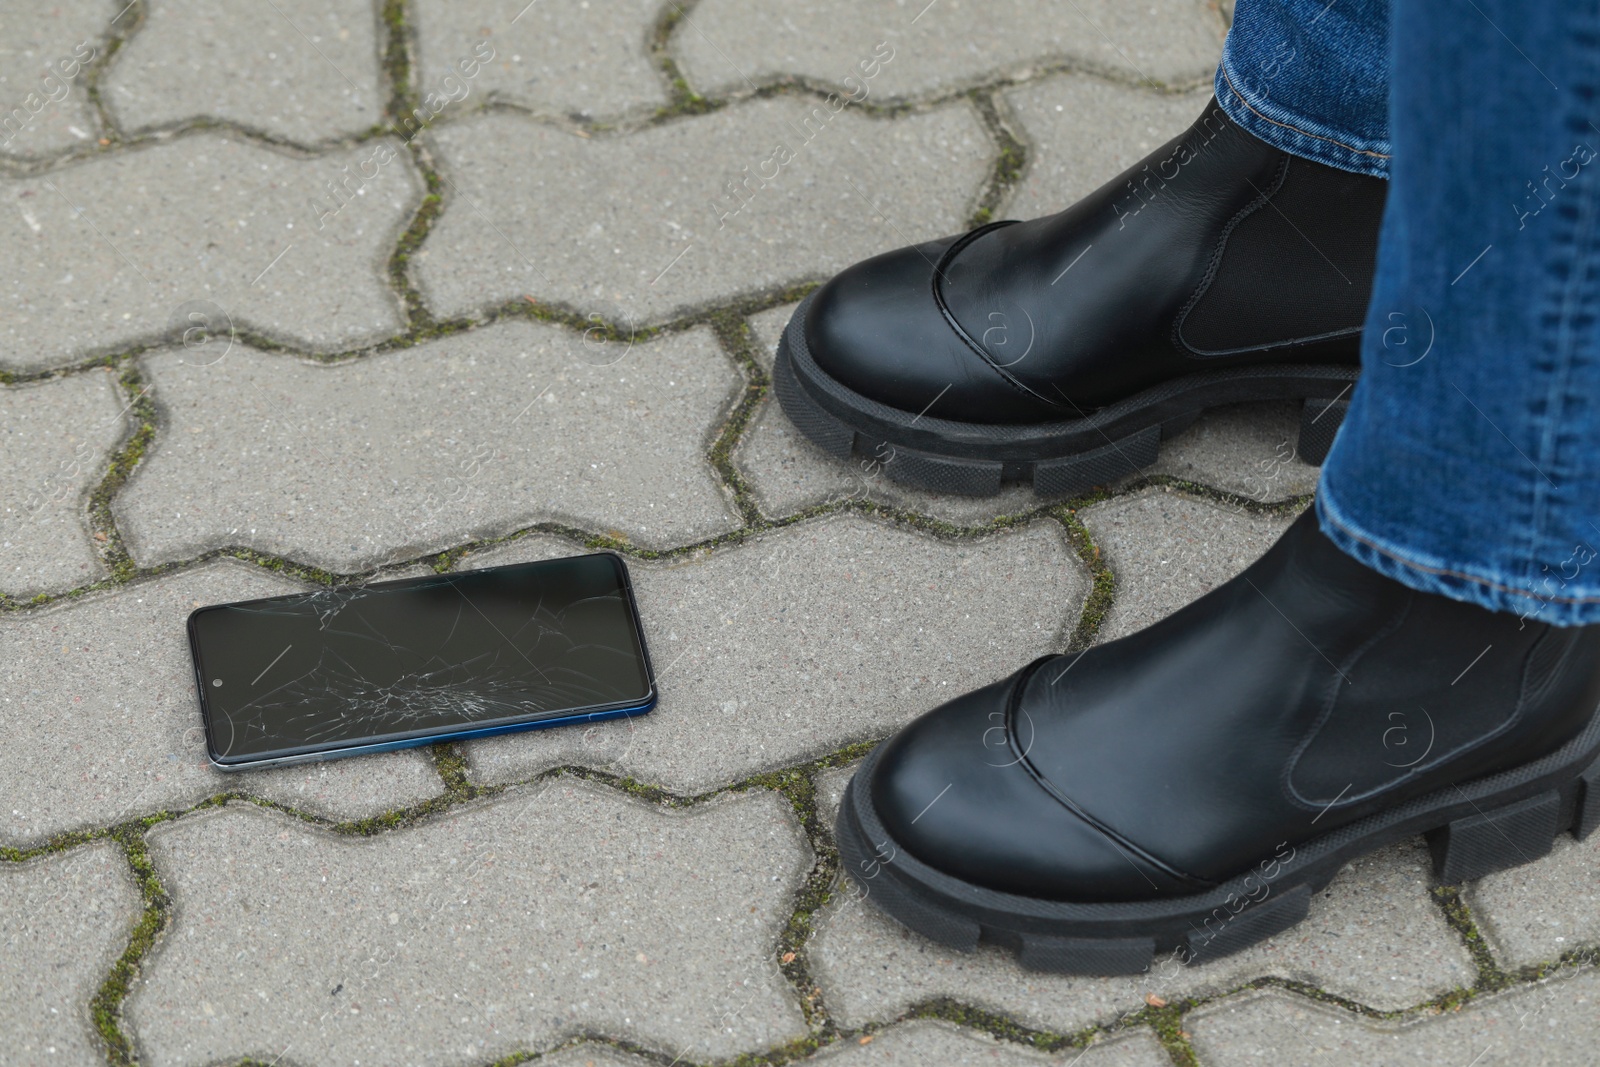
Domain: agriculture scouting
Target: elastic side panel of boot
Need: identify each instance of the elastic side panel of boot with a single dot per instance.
(1299, 267)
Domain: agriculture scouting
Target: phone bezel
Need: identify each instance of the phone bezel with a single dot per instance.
(414, 738)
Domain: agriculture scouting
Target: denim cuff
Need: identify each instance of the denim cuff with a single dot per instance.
(1564, 606)
(1312, 79)
(1281, 128)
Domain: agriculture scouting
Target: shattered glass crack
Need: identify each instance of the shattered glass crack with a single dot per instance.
(400, 659)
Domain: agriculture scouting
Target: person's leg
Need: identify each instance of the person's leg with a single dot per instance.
(1311, 77)
(1470, 461)
(1231, 264)
(1428, 665)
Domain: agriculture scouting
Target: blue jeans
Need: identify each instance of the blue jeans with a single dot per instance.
(1469, 462)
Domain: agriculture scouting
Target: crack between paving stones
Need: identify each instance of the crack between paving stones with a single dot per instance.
(797, 784)
(727, 320)
(129, 21)
(443, 560)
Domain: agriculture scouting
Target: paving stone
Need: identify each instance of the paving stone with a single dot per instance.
(1554, 1023)
(552, 58)
(1083, 131)
(938, 47)
(1246, 449)
(767, 328)
(305, 70)
(64, 920)
(44, 107)
(1166, 549)
(1373, 935)
(473, 435)
(498, 927)
(787, 473)
(1539, 911)
(189, 236)
(642, 226)
(830, 783)
(56, 439)
(105, 684)
(805, 639)
(592, 1055)
(925, 1041)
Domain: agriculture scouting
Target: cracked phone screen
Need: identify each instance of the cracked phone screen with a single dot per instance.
(392, 661)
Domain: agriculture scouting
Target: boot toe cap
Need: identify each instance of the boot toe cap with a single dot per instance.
(876, 329)
(951, 790)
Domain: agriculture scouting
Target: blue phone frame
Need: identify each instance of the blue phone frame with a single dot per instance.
(577, 715)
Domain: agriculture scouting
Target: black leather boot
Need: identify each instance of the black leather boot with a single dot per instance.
(1189, 787)
(1063, 349)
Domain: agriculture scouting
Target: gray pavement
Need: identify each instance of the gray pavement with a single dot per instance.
(302, 294)
(612, 224)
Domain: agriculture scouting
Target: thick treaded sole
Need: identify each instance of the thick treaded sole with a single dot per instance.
(1059, 458)
(1476, 828)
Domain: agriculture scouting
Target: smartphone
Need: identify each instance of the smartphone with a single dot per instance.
(352, 670)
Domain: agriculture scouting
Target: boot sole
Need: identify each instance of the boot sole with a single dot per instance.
(1474, 829)
(1058, 458)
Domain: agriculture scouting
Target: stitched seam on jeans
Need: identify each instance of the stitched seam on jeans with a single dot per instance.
(1303, 133)
(1446, 572)
(1577, 243)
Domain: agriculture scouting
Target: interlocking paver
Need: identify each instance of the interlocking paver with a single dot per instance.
(642, 226)
(64, 918)
(830, 782)
(787, 473)
(805, 639)
(1537, 912)
(1372, 936)
(1166, 549)
(592, 1054)
(1246, 449)
(509, 926)
(56, 438)
(106, 686)
(925, 1041)
(473, 435)
(130, 247)
(938, 47)
(560, 59)
(499, 927)
(1083, 131)
(305, 70)
(44, 106)
(1551, 1024)
(766, 328)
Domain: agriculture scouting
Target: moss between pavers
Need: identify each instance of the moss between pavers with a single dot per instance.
(795, 783)
(1009, 163)
(685, 101)
(106, 1007)
(128, 22)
